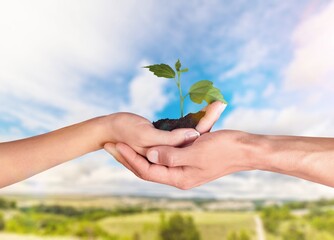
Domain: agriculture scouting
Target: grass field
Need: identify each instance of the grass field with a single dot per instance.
(138, 218)
(12, 236)
(308, 230)
(212, 225)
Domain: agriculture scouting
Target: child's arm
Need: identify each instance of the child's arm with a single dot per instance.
(24, 158)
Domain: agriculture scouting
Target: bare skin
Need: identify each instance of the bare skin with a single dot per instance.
(220, 153)
(24, 158)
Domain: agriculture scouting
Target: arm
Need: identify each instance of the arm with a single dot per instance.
(310, 158)
(217, 154)
(24, 158)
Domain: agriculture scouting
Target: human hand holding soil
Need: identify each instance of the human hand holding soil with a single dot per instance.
(212, 114)
(140, 134)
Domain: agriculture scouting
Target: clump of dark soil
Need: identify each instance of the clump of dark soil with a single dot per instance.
(189, 121)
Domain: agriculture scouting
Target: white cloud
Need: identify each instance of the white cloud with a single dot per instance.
(51, 52)
(287, 120)
(94, 175)
(312, 64)
(302, 106)
(146, 94)
(250, 57)
(88, 174)
(257, 184)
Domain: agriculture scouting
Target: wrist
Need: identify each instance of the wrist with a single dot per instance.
(254, 151)
(104, 129)
(281, 154)
(305, 157)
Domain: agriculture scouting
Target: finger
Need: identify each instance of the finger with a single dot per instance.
(148, 171)
(169, 156)
(212, 114)
(156, 137)
(111, 148)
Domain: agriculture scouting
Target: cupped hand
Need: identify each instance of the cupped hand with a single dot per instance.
(153, 137)
(140, 134)
(211, 156)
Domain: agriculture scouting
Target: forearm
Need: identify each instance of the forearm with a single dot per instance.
(23, 158)
(309, 158)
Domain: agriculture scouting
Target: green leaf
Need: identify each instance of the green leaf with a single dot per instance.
(213, 95)
(178, 65)
(161, 70)
(184, 70)
(204, 90)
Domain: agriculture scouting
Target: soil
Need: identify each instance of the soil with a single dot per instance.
(189, 121)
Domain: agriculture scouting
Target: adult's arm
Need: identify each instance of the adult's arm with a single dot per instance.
(220, 153)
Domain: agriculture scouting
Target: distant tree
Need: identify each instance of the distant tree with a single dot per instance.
(232, 235)
(178, 227)
(6, 204)
(272, 216)
(88, 230)
(294, 233)
(242, 235)
(323, 221)
(136, 236)
(2, 222)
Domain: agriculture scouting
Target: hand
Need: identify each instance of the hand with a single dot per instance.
(213, 112)
(211, 156)
(50, 149)
(140, 134)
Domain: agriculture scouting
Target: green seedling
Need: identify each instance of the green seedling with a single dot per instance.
(199, 91)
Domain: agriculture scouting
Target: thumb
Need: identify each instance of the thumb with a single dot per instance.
(168, 156)
(212, 114)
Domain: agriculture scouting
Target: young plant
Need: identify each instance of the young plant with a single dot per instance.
(201, 90)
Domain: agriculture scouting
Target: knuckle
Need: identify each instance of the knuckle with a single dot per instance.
(170, 159)
(183, 185)
(145, 176)
(142, 175)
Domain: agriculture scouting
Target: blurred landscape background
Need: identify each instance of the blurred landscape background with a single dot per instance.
(135, 217)
(64, 62)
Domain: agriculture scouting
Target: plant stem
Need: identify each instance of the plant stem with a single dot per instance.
(178, 83)
(181, 101)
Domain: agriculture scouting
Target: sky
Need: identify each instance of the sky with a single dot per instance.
(62, 62)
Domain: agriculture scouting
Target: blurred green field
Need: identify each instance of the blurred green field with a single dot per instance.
(138, 218)
(310, 232)
(212, 225)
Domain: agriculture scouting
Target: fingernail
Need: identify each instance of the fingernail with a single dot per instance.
(153, 156)
(221, 109)
(192, 135)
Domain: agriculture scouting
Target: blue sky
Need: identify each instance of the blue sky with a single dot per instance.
(63, 62)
